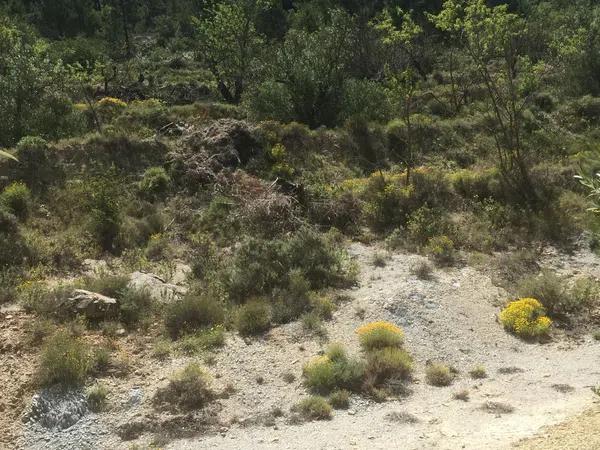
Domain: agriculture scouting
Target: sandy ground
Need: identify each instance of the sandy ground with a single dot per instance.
(451, 318)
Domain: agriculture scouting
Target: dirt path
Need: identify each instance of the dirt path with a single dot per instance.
(450, 318)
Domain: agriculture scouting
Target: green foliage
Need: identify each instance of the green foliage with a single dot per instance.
(16, 198)
(64, 359)
(134, 305)
(206, 339)
(230, 44)
(551, 290)
(314, 408)
(261, 266)
(441, 249)
(388, 363)
(105, 215)
(333, 371)
(254, 317)
(438, 374)
(155, 183)
(339, 399)
(191, 313)
(96, 398)
(188, 389)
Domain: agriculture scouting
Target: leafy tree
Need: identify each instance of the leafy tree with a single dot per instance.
(230, 44)
(402, 83)
(31, 100)
(313, 67)
(490, 37)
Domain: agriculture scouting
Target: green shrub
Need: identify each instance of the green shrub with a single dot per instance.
(339, 399)
(161, 350)
(106, 284)
(39, 330)
(314, 408)
(105, 215)
(155, 183)
(35, 167)
(422, 270)
(388, 363)
(425, 224)
(188, 389)
(261, 266)
(334, 370)
(191, 313)
(254, 317)
(16, 198)
(478, 373)
(96, 398)
(313, 323)
(378, 335)
(441, 249)
(438, 374)
(64, 359)
(206, 339)
(551, 290)
(134, 305)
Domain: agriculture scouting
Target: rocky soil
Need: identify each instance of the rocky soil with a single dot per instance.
(450, 318)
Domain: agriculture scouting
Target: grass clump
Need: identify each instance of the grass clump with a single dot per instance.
(422, 270)
(333, 371)
(526, 318)
(379, 260)
(65, 360)
(135, 305)
(339, 399)
(188, 389)
(206, 339)
(387, 363)
(161, 350)
(478, 373)
(192, 313)
(253, 317)
(97, 398)
(438, 374)
(314, 408)
(550, 290)
(16, 198)
(461, 395)
(378, 335)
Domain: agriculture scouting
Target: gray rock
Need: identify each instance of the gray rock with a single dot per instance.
(92, 305)
(158, 289)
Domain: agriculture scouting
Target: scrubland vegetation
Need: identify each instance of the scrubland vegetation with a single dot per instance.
(253, 140)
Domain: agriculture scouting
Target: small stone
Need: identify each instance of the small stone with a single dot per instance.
(351, 412)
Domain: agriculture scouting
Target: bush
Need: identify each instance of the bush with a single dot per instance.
(261, 266)
(526, 318)
(188, 389)
(155, 183)
(340, 399)
(253, 317)
(387, 363)
(191, 313)
(422, 270)
(135, 304)
(441, 249)
(551, 290)
(378, 335)
(64, 359)
(16, 198)
(333, 371)
(35, 167)
(438, 374)
(96, 398)
(106, 284)
(206, 339)
(105, 216)
(478, 373)
(315, 408)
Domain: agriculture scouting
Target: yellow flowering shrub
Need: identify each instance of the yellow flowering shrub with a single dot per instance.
(526, 318)
(377, 335)
(111, 103)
